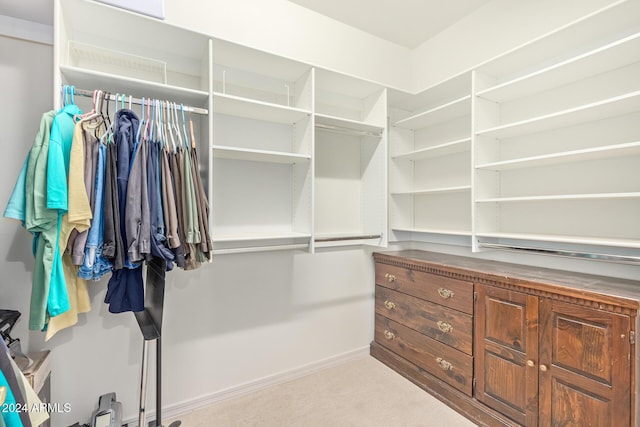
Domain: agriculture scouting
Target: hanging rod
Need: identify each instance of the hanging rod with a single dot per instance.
(137, 101)
(346, 130)
(341, 238)
(260, 249)
(623, 259)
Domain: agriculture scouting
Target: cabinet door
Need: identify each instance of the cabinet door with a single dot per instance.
(584, 366)
(506, 340)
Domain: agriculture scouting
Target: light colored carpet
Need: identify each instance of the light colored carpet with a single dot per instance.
(360, 393)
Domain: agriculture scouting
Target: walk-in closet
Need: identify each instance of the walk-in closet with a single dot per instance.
(319, 213)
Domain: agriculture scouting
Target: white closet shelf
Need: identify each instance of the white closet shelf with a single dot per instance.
(258, 236)
(248, 154)
(451, 110)
(611, 107)
(81, 18)
(453, 147)
(596, 153)
(599, 25)
(249, 108)
(339, 122)
(426, 192)
(452, 232)
(89, 79)
(609, 57)
(581, 240)
(629, 195)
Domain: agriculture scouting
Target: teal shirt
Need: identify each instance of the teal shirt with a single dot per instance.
(57, 198)
(59, 157)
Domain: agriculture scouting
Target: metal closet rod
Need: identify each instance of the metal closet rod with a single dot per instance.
(112, 97)
(260, 249)
(623, 259)
(347, 130)
(340, 238)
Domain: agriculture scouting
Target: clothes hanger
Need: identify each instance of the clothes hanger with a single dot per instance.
(175, 124)
(142, 122)
(184, 127)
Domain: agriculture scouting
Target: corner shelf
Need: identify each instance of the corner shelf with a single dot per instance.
(444, 149)
(451, 110)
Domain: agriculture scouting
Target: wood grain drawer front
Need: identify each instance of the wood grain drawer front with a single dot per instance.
(452, 293)
(448, 326)
(446, 363)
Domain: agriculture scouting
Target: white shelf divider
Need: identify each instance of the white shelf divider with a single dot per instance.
(442, 190)
(453, 147)
(629, 195)
(244, 107)
(253, 155)
(457, 108)
(617, 150)
(579, 240)
(610, 107)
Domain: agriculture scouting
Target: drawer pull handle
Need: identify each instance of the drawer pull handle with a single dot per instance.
(444, 365)
(445, 293)
(389, 335)
(531, 363)
(390, 277)
(543, 368)
(390, 305)
(444, 327)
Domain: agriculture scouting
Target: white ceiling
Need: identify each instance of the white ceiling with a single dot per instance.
(404, 22)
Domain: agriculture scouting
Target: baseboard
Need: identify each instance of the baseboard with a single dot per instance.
(183, 408)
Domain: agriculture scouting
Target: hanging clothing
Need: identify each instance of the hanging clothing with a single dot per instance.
(62, 130)
(113, 248)
(107, 204)
(157, 237)
(95, 265)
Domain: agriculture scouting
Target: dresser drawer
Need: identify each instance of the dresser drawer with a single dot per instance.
(452, 293)
(439, 360)
(448, 326)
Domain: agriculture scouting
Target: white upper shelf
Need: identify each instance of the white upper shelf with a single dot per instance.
(613, 21)
(253, 155)
(347, 124)
(457, 108)
(602, 152)
(89, 80)
(609, 57)
(452, 147)
(258, 110)
(611, 107)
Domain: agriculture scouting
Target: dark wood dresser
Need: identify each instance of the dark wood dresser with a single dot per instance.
(510, 345)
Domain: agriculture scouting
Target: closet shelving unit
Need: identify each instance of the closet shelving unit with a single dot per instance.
(262, 150)
(555, 138)
(271, 186)
(350, 170)
(430, 162)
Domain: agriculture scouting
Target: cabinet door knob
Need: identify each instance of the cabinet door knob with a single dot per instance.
(390, 305)
(445, 293)
(444, 365)
(390, 277)
(531, 363)
(389, 335)
(444, 327)
(543, 368)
